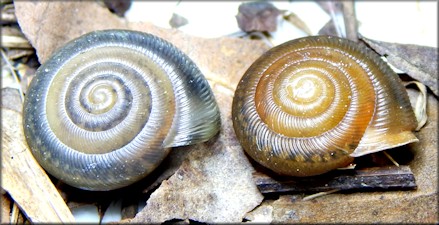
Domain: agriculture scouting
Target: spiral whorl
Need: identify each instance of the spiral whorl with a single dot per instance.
(305, 106)
(104, 110)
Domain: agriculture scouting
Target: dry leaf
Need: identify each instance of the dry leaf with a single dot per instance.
(261, 214)
(10, 98)
(343, 21)
(177, 21)
(336, 25)
(49, 25)
(214, 184)
(257, 16)
(328, 29)
(419, 62)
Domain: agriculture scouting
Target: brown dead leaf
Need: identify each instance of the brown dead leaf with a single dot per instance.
(257, 16)
(343, 21)
(419, 62)
(49, 25)
(261, 214)
(328, 29)
(177, 20)
(335, 25)
(214, 184)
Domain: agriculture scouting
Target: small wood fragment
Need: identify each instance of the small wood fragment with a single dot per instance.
(375, 178)
(5, 210)
(24, 180)
(297, 22)
(7, 14)
(319, 194)
(391, 158)
(350, 20)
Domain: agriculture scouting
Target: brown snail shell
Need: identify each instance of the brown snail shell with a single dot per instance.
(310, 105)
(106, 108)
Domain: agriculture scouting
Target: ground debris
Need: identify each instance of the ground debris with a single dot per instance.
(257, 16)
(419, 62)
(24, 179)
(377, 178)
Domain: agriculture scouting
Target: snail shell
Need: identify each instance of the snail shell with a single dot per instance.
(310, 105)
(105, 109)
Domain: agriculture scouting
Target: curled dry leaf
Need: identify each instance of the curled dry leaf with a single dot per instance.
(420, 108)
(419, 62)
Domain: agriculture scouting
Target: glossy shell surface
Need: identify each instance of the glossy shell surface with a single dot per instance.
(310, 105)
(106, 108)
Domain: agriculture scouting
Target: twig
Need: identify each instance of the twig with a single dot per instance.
(350, 20)
(11, 68)
(316, 195)
(14, 213)
(376, 178)
(391, 158)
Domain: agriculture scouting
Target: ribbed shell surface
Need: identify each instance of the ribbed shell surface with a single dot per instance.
(310, 105)
(105, 109)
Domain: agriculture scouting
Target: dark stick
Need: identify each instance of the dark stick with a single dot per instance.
(376, 178)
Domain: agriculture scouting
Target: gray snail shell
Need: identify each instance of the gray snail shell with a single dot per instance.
(106, 108)
(310, 105)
